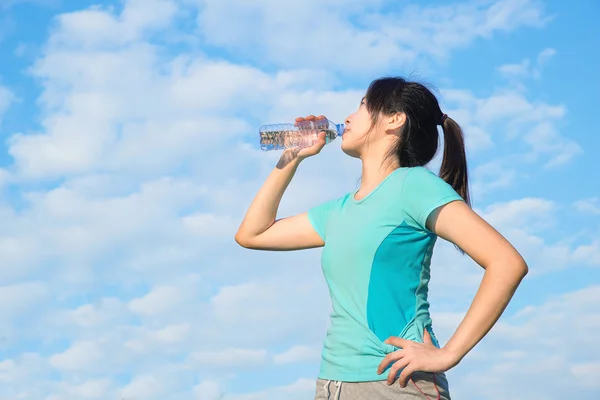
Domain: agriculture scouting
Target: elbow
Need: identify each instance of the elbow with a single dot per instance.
(239, 239)
(243, 240)
(519, 267)
(513, 266)
(524, 269)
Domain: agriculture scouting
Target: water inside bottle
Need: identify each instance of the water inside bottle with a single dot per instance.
(285, 139)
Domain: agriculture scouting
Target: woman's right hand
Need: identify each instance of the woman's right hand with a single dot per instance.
(305, 152)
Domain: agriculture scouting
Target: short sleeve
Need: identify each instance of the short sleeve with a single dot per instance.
(319, 216)
(423, 192)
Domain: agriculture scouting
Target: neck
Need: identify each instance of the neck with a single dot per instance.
(375, 168)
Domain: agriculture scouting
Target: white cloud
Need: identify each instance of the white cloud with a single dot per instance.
(210, 225)
(590, 206)
(208, 390)
(73, 225)
(524, 223)
(145, 387)
(92, 389)
(184, 117)
(545, 55)
(229, 358)
(587, 373)
(530, 213)
(98, 26)
(252, 307)
(546, 140)
(160, 300)
(278, 32)
(540, 345)
(173, 333)
(6, 99)
(588, 254)
(108, 311)
(492, 176)
(22, 369)
(515, 69)
(80, 356)
(16, 375)
(20, 298)
(528, 126)
(527, 69)
(298, 354)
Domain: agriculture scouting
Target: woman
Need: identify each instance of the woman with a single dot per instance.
(378, 243)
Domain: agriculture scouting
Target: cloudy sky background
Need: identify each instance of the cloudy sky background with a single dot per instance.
(129, 155)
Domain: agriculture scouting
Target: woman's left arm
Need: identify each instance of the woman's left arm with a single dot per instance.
(504, 270)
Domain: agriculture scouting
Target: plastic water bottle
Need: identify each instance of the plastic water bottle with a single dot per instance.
(300, 134)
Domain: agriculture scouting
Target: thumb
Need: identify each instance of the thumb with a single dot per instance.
(320, 139)
(427, 337)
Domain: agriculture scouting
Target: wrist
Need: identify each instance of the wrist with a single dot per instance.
(452, 356)
(289, 158)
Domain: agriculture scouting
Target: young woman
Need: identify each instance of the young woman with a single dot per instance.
(378, 242)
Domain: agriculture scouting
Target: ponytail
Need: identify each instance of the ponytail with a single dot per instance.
(454, 162)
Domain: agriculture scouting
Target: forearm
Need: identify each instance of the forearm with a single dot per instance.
(263, 210)
(497, 287)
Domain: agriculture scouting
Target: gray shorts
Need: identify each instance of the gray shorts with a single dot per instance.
(422, 386)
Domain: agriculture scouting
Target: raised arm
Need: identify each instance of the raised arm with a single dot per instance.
(259, 229)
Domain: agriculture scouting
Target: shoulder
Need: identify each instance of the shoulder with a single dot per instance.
(421, 173)
(419, 179)
(335, 203)
(342, 201)
(414, 179)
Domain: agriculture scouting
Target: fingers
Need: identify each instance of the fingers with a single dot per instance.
(405, 376)
(402, 364)
(312, 122)
(310, 118)
(388, 359)
(398, 342)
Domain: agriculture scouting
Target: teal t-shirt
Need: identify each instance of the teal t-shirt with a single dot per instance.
(376, 263)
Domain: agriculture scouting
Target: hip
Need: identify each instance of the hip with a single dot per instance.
(422, 386)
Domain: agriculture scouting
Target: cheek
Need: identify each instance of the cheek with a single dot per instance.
(349, 140)
(364, 123)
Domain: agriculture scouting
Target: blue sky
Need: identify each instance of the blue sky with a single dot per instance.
(130, 153)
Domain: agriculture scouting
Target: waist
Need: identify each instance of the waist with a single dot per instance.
(352, 352)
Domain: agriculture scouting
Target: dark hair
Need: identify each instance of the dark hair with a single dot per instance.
(418, 141)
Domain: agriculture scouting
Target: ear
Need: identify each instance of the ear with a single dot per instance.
(396, 121)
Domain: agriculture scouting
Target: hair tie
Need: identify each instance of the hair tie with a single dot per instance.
(443, 119)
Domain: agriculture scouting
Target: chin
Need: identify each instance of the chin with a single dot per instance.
(351, 151)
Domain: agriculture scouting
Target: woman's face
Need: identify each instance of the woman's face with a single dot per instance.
(358, 125)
